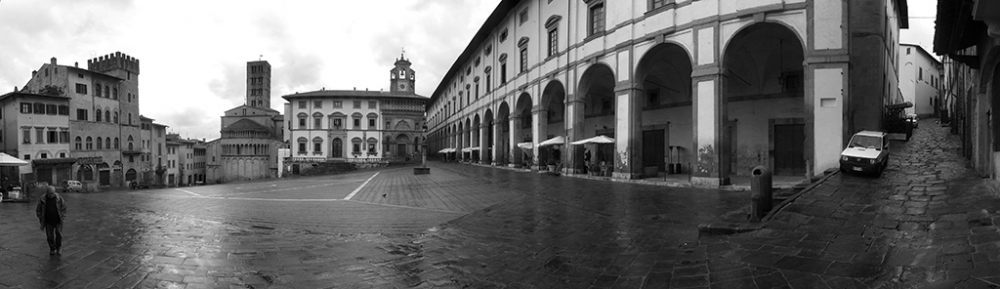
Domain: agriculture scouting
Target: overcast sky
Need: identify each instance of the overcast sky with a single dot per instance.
(193, 54)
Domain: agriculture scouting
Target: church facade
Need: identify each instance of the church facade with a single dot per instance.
(250, 136)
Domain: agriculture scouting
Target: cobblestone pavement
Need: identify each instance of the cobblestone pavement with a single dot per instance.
(928, 221)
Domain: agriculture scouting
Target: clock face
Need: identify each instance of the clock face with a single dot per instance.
(402, 86)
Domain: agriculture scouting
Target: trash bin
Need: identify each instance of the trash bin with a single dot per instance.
(760, 192)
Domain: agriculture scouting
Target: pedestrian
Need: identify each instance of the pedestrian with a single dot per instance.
(51, 212)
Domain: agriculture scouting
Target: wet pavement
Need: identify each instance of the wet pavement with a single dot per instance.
(928, 221)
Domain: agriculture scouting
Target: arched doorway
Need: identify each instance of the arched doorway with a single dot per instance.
(521, 125)
(667, 120)
(402, 142)
(763, 107)
(552, 122)
(486, 138)
(475, 138)
(598, 113)
(501, 145)
(337, 148)
(130, 175)
(105, 174)
(85, 173)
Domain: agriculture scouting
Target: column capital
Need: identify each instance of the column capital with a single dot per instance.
(628, 85)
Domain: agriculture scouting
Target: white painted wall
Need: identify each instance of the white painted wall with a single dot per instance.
(828, 110)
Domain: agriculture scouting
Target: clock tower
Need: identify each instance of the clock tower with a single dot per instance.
(401, 77)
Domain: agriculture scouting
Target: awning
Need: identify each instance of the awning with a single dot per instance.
(9, 161)
(597, 139)
(553, 141)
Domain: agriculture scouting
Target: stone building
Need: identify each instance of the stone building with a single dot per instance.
(715, 86)
(35, 128)
(919, 79)
(967, 34)
(357, 126)
(103, 112)
(250, 136)
(153, 142)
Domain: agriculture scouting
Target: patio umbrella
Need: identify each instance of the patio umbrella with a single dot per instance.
(9, 161)
(526, 145)
(597, 140)
(446, 150)
(470, 149)
(553, 141)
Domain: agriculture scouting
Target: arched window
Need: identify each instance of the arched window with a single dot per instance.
(100, 143)
(107, 115)
(116, 117)
(98, 115)
(317, 145)
(90, 143)
(116, 143)
(107, 92)
(130, 143)
(79, 143)
(107, 142)
(115, 94)
(302, 120)
(130, 118)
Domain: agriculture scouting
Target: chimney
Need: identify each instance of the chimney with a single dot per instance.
(53, 61)
(15, 89)
(76, 64)
(33, 72)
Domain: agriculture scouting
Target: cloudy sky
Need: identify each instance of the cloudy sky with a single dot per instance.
(193, 54)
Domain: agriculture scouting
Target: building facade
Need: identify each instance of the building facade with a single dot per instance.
(919, 80)
(35, 128)
(153, 137)
(967, 34)
(716, 86)
(357, 126)
(104, 125)
(250, 135)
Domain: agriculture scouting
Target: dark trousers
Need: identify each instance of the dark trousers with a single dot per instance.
(53, 234)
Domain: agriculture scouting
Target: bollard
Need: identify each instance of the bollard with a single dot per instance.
(760, 193)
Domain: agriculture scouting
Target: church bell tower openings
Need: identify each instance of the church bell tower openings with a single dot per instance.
(259, 84)
(401, 77)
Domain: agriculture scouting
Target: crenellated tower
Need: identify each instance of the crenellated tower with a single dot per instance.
(259, 84)
(126, 68)
(402, 78)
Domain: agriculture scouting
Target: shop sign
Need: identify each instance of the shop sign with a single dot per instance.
(89, 160)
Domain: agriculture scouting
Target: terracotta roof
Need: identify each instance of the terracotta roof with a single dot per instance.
(16, 94)
(354, 94)
(246, 125)
(954, 28)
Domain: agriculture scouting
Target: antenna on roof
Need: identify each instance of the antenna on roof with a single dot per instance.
(260, 58)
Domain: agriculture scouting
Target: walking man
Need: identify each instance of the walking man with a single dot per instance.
(51, 212)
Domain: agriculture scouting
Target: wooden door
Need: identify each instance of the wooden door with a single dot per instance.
(789, 149)
(653, 149)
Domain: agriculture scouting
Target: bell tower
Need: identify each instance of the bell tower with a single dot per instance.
(401, 77)
(258, 84)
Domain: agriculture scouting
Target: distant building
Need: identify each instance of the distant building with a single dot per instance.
(919, 79)
(103, 117)
(250, 136)
(153, 137)
(357, 126)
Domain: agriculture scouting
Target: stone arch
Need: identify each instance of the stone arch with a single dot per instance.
(763, 68)
(596, 114)
(665, 97)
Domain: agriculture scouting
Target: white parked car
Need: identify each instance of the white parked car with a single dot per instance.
(867, 152)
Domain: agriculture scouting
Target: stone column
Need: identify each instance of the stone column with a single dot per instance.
(540, 118)
(516, 156)
(484, 129)
(574, 127)
(709, 169)
(628, 131)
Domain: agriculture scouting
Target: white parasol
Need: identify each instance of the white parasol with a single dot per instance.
(553, 141)
(10, 161)
(597, 140)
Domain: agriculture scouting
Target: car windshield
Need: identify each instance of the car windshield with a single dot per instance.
(871, 142)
